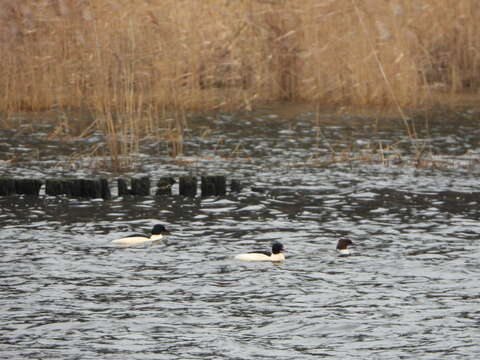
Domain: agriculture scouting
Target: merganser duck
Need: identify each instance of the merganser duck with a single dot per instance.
(342, 247)
(158, 231)
(275, 255)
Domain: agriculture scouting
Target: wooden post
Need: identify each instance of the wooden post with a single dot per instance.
(54, 187)
(75, 187)
(208, 186)
(27, 186)
(66, 187)
(164, 186)
(7, 186)
(141, 186)
(220, 185)
(90, 188)
(213, 186)
(122, 187)
(99, 188)
(188, 186)
(104, 189)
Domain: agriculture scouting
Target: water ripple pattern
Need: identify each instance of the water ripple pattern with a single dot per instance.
(410, 289)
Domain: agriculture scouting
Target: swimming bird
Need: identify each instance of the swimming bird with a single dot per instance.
(158, 231)
(275, 255)
(342, 246)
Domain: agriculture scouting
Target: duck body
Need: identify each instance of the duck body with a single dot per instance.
(275, 255)
(342, 247)
(158, 232)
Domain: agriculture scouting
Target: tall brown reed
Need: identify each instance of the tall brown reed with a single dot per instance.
(139, 66)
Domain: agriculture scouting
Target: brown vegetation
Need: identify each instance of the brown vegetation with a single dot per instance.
(138, 65)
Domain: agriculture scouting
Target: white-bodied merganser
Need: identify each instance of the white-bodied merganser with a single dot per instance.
(275, 255)
(158, 231)
(342, 246)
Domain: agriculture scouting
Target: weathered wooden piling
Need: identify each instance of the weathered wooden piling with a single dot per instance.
(220, 185)
(188, 186)
(88, 188)
(140, 186)
(105, 189)
(54, 187)
(123, 189)
(235, 185)
(7, 186)
(213, 185)
(75, 187)
(95, 188)
(91, 188)
(99, 188)
(164, 186)
(27, 186)
(207, 186)
(67, 187)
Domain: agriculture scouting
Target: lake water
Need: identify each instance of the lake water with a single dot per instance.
(409, 291)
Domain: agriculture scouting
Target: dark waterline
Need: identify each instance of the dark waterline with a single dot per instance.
(409, 291)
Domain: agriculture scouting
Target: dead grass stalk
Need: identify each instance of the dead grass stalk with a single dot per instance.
(139, 66)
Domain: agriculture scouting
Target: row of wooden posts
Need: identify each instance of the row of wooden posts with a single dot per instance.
(99, 188)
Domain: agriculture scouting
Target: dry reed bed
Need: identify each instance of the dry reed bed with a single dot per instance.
(139, 65)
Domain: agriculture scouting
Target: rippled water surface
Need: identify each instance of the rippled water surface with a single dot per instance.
(410, 290)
